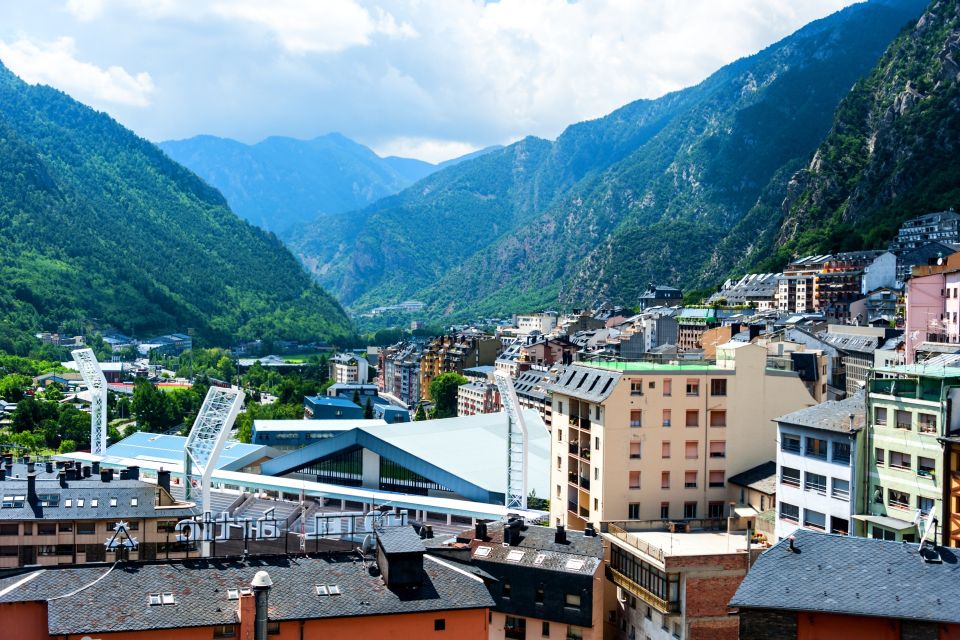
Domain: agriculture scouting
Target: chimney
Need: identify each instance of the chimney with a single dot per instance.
(261, 590)
(31, 467)
(560, 537)
(106, 475)
(95, 467)
(86, 471)
(163, 479)
(481, 531)
(792, 540)
(26, 459)
(32, 488)
(589, 531)
(62, 477)
(124, 474)
(3, 473)
(511, 532)
(49, 466)
(134, 472)
(247, 616)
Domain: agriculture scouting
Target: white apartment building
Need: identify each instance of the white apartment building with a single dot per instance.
(816, 459)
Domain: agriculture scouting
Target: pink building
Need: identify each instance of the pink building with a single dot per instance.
(933, 306)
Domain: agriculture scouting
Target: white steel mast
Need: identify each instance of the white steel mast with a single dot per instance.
(92, 375)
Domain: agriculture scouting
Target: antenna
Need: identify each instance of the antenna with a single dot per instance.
(206, 440)
(92, 375)
(516, 495)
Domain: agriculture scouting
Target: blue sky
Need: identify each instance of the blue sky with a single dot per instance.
(424, 78)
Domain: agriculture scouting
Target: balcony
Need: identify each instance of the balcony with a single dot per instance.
(574, 449)
(585, 483)
(580, 423)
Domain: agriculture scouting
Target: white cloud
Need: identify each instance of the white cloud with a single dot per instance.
(457, 72)
(54, 63)
(424, 149)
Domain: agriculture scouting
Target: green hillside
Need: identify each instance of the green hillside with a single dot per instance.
(99, 226)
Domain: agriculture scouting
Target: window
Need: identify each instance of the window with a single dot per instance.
(715, 510)
(65, 527)
(879, 455)
(693, 387)
(790, 443)
(926, 467)
(665, 449)
(46, 529)
(690, 479)
(689, 510)
(789, 512)
(559, 462)
(664, 479)
(439, 624)
(636, 418)
(664, 510)
(667, 387)
(634, 479)
(900, 460)
(113, 502)
(716, 479)
(880, 416)
(925, 504)
(790, 476)
(134, 502)
(223, 630)
(691, 450)
(633, 511)
(878, 495)
(166, 526)
(693, 418)
(841, 452)
(718, 449)
(505, 590)
(571, 600)
(574, 633)
(718, 387)
(545, 629)
(515, 628)
(926, 422)
(636, 387)
(815, 482)
(666, 417)
(816, 448)
(634, 450)
(596, 443)
(903, 419)
(9, 529)
(898, 499)
(86, 528)
(840, 489)
(814, 519)
(839, 525)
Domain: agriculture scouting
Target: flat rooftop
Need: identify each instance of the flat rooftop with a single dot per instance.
(653, 366)
(661, 544)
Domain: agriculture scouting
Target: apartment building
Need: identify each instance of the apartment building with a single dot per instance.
(816, 463)
(532, 394)
(911, 414)
(933, 306)
(536, 323)
(61, 513)
(398, 373)
(349, 368)
(455, 353)
(673, 584)
(939, 226)
(649, 441)
(476, 397)
(952, 520)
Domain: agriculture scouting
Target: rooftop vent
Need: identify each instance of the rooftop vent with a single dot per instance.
(560, 537)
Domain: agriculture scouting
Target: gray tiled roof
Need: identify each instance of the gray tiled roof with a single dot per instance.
(833, 415)
(853, 576)
(587, 383)
(96, 496)
(399, 540)
(119, 601)
(536, 541)
(762, 477)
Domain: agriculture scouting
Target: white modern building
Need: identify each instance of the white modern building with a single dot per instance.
(816, 459)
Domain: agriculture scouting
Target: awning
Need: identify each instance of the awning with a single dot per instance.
(886, 521)
(745, 512)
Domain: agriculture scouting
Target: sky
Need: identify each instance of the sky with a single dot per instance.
(430, 79)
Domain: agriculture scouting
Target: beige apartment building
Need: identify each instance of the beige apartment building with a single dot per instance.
(650, 441)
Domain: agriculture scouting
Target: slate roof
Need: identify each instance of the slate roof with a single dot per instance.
(119, 600)
(853, 576)
(539, 549)
(90, 490)
(587, 383)
(399, 540)
(851, 342)
(832, 415)
(762, 477)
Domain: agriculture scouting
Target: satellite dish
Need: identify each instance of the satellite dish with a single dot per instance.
(367, 545)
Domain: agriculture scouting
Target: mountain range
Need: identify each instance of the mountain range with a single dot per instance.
(280, 184)
(100, 228)
(679, 190)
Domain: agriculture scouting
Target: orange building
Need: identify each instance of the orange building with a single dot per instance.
(400, 594)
